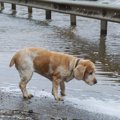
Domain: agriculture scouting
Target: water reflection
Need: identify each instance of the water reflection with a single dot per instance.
(102, 48)
(109, 65)
(30, 15)
(14, 13)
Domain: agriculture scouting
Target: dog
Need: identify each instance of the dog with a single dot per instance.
(57, 67)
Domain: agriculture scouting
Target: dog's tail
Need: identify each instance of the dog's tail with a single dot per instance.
(12, 62)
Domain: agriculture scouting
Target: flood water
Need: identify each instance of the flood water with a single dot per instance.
(84, 41)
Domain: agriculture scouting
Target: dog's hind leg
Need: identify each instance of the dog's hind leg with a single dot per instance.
(25, 76)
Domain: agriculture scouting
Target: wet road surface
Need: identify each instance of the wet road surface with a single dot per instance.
(83, 102)
(13, 107)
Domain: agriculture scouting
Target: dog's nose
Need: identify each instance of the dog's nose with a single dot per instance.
(95, 82)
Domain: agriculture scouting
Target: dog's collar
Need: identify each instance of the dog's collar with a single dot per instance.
(76, 63)
(72, 74)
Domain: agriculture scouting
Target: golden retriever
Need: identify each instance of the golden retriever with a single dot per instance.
(57, 67)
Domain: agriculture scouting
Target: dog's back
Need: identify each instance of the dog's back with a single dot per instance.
(41, 60)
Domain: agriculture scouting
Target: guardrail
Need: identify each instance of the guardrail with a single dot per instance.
(102, 11)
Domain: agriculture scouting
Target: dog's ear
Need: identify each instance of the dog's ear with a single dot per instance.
(79, 72)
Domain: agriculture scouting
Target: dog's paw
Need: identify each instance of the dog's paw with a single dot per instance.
(59, 98)
(62, 93)
(29, 96)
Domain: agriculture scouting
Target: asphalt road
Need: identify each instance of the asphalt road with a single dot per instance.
(13, 107)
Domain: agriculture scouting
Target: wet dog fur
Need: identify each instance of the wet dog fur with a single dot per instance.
(57, 67)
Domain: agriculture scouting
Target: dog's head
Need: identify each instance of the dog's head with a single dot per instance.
(85, 70)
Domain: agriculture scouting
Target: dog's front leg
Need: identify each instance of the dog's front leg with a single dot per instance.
(55, 89)
(62, 87)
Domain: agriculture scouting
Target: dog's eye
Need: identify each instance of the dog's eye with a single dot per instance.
(91, 73)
